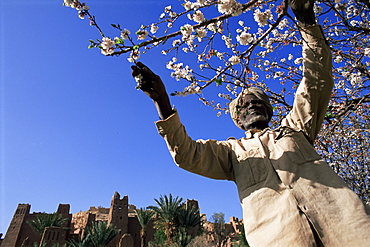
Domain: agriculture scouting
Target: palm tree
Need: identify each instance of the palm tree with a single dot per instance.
(46, 220)
(84, 242)
(99, 234)
(167, 212)
(188, 219)
(144, 216)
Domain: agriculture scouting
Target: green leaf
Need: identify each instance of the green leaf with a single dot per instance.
(135, 47)
(118, 26)
(164, 41)
(119, 41)
(218, 82)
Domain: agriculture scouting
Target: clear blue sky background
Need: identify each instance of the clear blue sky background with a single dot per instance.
(73, 127)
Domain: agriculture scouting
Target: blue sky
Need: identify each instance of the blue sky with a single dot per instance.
(73, 127)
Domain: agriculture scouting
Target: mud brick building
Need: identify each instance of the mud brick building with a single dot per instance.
(120, 213)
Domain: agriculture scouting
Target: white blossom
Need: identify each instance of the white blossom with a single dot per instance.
(356, 79)
(176, 42)
(262, 17)
(187, 5)
(198, 16)
(284, 22)
(107, 43)
(142, 34)
(278, 74)
(317, 9)
(225, 6)
(181, 71)
(125, 33)
(338, 59)
(234, 60)
(167, 9)
(135, 55)
(220, 55)
(298, 60)
(230, 7)
(367, 52)
(71, 3)
(201, 2)
(212, 27)
(187, 30)
(153, 28)
(201, 33)
(227, 40)
(244, 38)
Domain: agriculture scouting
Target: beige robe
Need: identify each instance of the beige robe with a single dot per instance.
(285, 187)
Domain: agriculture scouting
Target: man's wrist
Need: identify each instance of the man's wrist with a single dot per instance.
(163, 106)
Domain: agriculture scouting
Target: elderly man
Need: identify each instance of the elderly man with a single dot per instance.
(289, 195)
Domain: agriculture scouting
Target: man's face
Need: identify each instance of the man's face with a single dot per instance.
(253, 113)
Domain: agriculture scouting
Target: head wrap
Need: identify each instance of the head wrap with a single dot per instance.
(249, 91)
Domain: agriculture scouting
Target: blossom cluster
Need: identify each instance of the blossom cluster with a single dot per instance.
(262, 18)
(80, 7)
(240, 42)
(179, 70)
(230, 7)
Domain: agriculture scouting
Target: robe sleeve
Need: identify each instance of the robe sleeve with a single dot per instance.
(314, 92)
(209, 158)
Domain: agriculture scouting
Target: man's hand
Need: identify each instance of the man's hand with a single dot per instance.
(303, 11)
(152, 85)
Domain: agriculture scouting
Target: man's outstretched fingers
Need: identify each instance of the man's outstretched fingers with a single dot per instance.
(135, 71)
(145, 69)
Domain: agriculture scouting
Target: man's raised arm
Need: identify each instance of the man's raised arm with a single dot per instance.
(152, 85)
(314, 91)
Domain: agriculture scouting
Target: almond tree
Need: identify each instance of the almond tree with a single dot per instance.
(223, 49)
